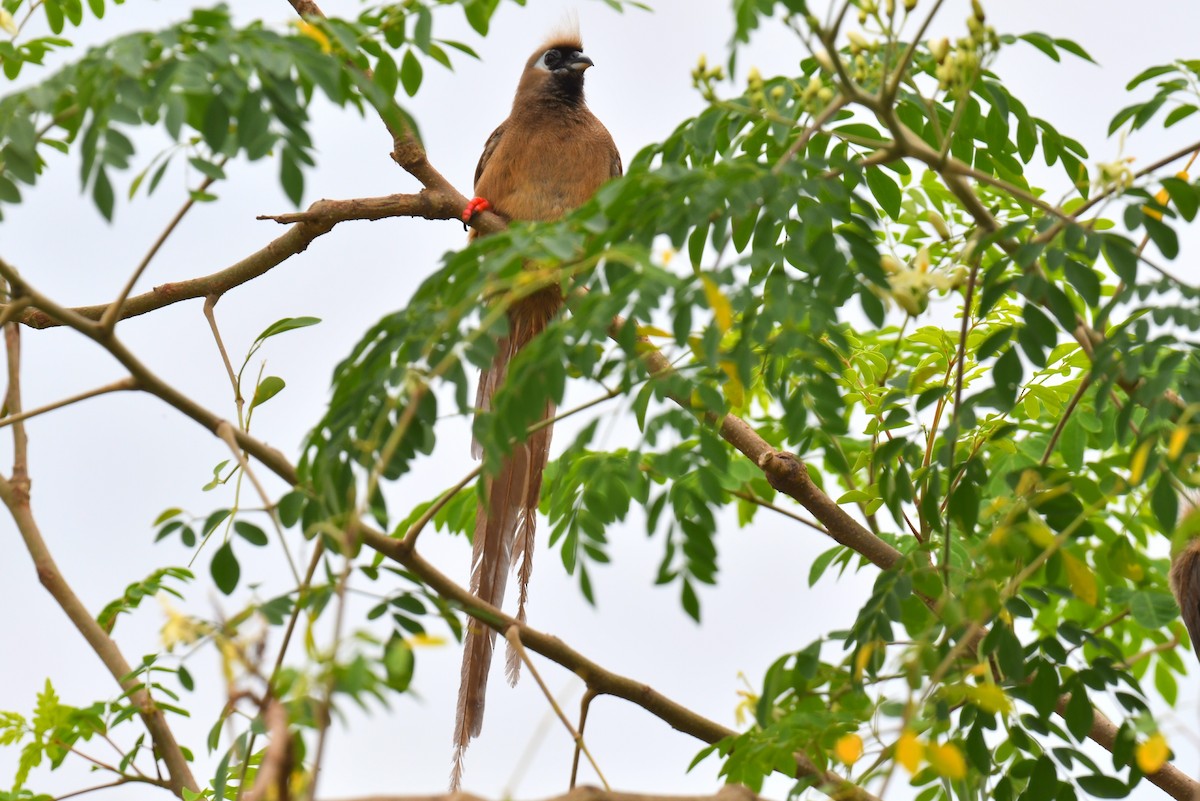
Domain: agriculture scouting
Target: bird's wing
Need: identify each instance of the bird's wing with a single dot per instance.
(616, 170)
(488, 149)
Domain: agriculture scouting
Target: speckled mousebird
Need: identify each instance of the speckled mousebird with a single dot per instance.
(547, 158)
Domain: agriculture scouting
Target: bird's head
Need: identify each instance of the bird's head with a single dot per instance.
(555, 71)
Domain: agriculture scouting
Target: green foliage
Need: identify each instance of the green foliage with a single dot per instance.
(1000, 388)
(217, 91)
(153, 584)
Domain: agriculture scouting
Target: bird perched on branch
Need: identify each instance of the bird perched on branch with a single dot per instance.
(547, 158)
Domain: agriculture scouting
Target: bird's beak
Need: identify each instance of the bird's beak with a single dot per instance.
(579, 62)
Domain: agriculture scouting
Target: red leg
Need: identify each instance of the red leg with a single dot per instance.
(476, 205)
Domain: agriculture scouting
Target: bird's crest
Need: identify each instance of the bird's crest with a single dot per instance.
(565, 34)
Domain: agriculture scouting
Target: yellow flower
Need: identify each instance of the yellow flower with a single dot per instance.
(849, 749)
(909, 751)
(179, 628)
(419, 640)
(947, 761)
(6, 22)
(1153, 754)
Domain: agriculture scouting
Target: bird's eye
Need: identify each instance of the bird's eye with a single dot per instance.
(552, 59)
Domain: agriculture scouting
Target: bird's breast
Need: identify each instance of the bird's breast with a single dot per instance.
(542, 172)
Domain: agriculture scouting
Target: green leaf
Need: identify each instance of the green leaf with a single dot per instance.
(165, 515)
(885, 190)
(423, 30)
(1164, 501)
(1074, 49)
(1042, 42)
(290, 177)
(1153, 609)
(1163, 236)
(994, 341)
(1084, 280)
(386, 77)
(411, 73)
(225, 569)
(286, 324)
(1008, 373)
(691, 602)
(102, 193)
(1103, 786)
(1122, 257)
(1179, 113)
(1184, 195)
(215, 126)
(207, 168)
(399, 663)
(290, 507)
(268, 388)
(216, 518)
(1079, 714)
(1148, 74)
(251, 533)
(820, 563)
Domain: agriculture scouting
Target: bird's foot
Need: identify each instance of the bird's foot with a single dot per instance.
(476, 205)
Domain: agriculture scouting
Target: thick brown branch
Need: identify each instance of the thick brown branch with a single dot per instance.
(432, 204)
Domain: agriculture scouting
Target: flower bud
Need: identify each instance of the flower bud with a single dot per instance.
(938, 223)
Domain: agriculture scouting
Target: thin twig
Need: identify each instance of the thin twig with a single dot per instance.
(410, 537)
(584, 705)
(113, 313)
(513, 635)
(326, 706)
(892, 86)
(116, 386)
(757, 501)
(85, 790)
(1084, 383)
(837, 104)
(209, 306)
(225, 432)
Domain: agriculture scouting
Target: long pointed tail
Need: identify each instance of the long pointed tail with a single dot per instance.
(504, 527)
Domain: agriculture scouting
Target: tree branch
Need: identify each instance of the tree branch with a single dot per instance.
(730, 792)
(789, 475)
(15, 493)
(319, 219)
(116, 386)
(112, 314)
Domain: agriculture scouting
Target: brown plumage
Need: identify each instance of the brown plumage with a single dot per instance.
(547, 158)
(1185, 583)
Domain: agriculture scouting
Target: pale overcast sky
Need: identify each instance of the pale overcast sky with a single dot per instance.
(103, 471)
